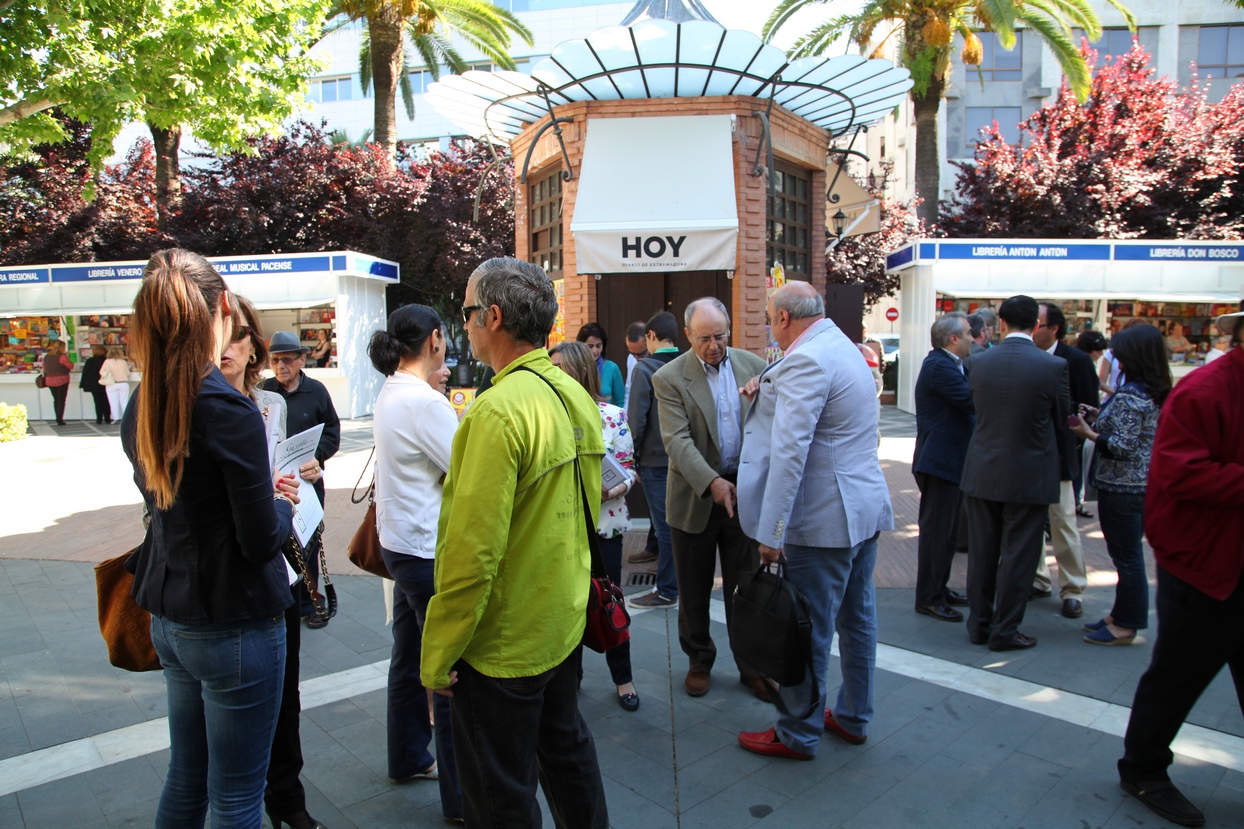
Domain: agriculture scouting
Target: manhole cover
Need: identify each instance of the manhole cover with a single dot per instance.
(642, 578)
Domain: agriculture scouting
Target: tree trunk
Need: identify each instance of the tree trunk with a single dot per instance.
(168, 172)
(387, 38)
(928, 156)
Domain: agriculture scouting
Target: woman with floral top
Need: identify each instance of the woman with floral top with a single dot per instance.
(576, 360)
(1123, 433)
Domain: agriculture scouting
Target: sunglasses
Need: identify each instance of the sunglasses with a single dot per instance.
(285, 361)
(467, 310)
(241, 332)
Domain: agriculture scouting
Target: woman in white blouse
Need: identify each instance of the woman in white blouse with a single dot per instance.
(117, 367)
(414, 428)
(578, 361)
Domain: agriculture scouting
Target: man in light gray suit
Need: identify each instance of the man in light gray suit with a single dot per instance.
(702, 410)
(811, 488)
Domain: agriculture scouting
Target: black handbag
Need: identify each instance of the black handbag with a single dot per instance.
(771, 628)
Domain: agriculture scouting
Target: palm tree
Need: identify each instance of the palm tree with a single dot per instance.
(927, 28)
(428, 24)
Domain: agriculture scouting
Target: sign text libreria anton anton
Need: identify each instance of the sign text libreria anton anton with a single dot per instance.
(133, 271)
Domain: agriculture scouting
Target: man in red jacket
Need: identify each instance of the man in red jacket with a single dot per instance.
(1194, 518)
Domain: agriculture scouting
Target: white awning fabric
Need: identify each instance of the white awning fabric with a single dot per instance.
(863, 212)
(656, 194)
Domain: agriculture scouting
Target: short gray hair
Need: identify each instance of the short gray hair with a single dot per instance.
(695, 304)
(947, 325)
(799, 307)
(989, 317)
(523, 292)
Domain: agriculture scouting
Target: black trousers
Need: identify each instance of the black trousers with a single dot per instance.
(695, 560)
(313, 559)
(940, 507)
(284, 794)
(103, 410)
(1005, 543)
(618, 659)
(510, 732)
(1197, 635)
(59, 395)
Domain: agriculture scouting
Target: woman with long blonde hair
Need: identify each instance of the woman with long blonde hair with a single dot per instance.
(210, 570)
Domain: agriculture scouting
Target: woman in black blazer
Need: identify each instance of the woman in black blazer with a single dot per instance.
(90, 383)
(210, 570)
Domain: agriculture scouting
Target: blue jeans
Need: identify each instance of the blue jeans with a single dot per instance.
(511, 732)
(410, 730)
(838, 582)
(1122, 516)
(224, 692)
(654, 478)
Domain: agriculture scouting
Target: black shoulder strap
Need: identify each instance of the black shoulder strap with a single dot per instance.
(598, 562)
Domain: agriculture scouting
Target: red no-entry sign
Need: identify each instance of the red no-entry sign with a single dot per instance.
(891, 314)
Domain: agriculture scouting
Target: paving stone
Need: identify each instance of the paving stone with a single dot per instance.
(744, 803)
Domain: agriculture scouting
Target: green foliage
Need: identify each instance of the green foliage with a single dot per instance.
(12, 422)
(227, 70)
(922, 65)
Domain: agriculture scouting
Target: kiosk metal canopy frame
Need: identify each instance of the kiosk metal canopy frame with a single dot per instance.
(659, 59)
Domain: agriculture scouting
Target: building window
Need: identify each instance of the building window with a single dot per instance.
(328, 90)
(997, 64)
(544, 199)
(981, 118)
(788, 223)
(1220, 52)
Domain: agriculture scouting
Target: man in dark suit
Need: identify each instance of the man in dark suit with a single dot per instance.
(1064, 534)
(702, 411)
(945, 418)
(1011, 475)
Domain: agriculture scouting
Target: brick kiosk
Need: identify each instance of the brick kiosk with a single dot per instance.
(766, 122)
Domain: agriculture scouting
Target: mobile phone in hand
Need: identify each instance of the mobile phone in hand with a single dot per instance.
(1073, 421)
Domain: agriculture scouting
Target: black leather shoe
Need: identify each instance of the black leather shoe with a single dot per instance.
(1072, 608)
(316, 620)
(1165, 800)
(301, 820)
(1034, 593)
(629, 702)
(979, 638)
(1018, 642)
(940, 611)
(956, 599)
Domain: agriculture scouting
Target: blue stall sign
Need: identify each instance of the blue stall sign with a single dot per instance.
(1043, 251)
(97, 273)
(1179, 253)
(900, 257)
(24, 276)
(271, 264)
(373, 268)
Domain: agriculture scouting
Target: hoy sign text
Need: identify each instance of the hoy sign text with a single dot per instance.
(654, 247)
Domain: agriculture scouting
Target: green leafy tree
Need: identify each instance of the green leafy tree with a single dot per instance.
(227, 71)
(927, 29)
(427, 25)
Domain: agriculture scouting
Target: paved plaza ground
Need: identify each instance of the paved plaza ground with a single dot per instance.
(962, 737)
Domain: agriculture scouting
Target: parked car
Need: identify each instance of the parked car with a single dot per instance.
(889, 343)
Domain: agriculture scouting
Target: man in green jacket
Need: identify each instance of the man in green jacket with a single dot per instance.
(513, 567)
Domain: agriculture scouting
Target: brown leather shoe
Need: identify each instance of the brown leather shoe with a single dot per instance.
(697, 683)
(761, 689)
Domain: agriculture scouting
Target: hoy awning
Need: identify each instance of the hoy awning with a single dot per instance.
(656, 194)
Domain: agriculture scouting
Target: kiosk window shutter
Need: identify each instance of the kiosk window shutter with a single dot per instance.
(788, 222)
(545, 199)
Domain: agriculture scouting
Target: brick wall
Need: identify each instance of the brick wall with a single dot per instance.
(795, 140)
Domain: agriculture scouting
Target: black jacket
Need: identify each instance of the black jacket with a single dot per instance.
(641, 411)
(306, 406)
(1085, 386)
(945, 418)
(1021, 395)
(90, 374)
(214, 556)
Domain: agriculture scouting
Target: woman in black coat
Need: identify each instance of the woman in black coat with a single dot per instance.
(90, 383)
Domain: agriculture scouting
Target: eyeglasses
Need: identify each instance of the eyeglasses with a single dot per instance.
(285, 361)
(467, 310)
(241, 332)
(715, 338)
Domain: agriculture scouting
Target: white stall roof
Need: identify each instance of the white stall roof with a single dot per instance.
(1151, 270)
(641, 207)
(292, 280)
(660, 59)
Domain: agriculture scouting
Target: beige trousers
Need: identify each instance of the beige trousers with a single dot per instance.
(1067, 550)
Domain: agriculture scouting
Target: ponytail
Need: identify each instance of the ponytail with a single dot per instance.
(171, 338)
(407, 332)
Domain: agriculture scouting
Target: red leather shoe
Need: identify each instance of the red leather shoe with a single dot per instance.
(767, 743)
(832, 725)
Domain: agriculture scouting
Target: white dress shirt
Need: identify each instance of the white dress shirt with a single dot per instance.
(958, 360)
(729, 413)
(414, 429)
